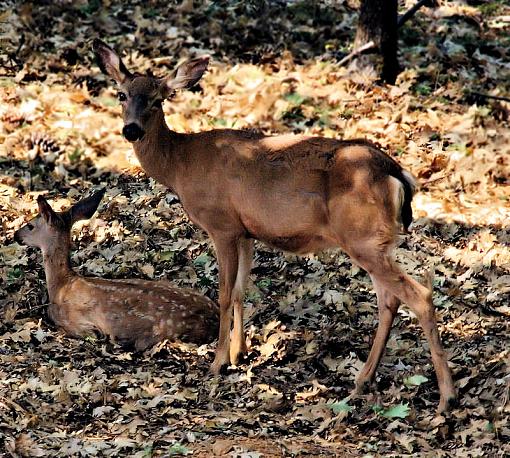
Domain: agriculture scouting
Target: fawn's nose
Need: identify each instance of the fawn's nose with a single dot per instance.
(132, 132)
(17, 238)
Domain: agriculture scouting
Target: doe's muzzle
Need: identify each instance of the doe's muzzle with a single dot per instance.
(132, 132)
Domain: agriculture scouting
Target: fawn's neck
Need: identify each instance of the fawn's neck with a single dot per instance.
(157, 151)
(57, 267)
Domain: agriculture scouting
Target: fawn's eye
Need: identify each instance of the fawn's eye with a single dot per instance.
(157, 103)
(122, 96)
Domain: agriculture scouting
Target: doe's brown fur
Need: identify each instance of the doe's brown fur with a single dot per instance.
(296, 193)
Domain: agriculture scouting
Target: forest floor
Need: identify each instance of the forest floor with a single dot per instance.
(310, 320)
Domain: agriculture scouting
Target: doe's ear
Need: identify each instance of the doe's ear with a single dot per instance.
(85, 208)
(109, 62)
(186, 75)
(45, 209)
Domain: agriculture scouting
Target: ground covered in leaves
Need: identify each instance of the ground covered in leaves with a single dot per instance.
(309, 320)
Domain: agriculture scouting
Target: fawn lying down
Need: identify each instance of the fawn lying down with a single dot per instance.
(131, 312)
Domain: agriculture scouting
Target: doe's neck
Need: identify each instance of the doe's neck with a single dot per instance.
(158, 150)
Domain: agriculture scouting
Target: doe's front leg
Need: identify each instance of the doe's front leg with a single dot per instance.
(238, 341)
(228, 256)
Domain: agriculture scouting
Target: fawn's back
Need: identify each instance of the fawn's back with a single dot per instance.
(134, 312)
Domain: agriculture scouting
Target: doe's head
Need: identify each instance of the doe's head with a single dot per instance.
(50, 229)
(141, 97)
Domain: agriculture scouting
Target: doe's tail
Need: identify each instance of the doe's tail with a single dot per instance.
(409, 187)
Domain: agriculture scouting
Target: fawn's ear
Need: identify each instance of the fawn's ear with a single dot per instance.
(85, 208)
(45, 209)
(186, 75)
(109, 62)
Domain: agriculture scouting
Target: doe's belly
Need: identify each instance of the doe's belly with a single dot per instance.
(298, 244)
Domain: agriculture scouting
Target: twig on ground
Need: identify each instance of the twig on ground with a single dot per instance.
(367, 46)
(488, 96)
(412, 11)
(432, 180)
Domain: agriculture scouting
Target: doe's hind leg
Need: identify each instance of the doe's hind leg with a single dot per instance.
(383, 269)
(387, 305)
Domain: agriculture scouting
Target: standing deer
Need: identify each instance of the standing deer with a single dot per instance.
(132, 312)
(295, 193)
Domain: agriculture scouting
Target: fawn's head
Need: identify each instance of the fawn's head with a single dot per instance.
(142, 96)
(50, 230)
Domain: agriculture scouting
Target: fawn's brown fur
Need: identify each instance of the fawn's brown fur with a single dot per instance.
(132, 312)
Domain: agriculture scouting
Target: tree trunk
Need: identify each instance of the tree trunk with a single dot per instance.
(378, 23)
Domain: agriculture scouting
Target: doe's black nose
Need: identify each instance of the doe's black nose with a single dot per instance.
(132, 132)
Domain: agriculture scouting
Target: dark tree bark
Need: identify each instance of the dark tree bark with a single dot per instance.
(378, 24)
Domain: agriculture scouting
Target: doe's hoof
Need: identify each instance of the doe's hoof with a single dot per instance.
(363, 387)
(218, 367)
(447, 404)
(239, 357)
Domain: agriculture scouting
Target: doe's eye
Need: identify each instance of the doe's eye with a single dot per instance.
(122, 96)
(30, 226)
(157, 103)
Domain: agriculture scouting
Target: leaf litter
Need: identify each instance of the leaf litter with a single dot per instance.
(309, 320)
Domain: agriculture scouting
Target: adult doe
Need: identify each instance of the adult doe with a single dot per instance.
(296, 193)
(131, 312)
